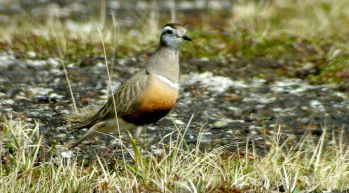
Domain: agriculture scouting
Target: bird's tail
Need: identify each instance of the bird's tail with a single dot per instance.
(102, 113)
(86, 123)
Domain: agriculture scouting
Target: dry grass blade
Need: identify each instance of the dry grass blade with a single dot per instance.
(178, 169)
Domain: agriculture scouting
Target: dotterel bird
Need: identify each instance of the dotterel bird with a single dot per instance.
(148, 95)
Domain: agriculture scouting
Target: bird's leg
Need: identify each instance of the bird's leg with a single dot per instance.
(134, 136)
(138, 132)
(90, 132)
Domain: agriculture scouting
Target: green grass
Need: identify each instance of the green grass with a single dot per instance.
(308, 31)
(308, 164)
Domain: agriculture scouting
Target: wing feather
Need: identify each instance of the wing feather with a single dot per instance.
(126, 99)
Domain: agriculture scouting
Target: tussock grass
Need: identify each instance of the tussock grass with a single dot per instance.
(309, 165)
(318, 19)
(76, 38)
(308, 31)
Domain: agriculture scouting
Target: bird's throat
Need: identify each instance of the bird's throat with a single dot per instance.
(165, 63)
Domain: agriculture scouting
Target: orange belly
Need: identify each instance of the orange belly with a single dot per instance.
(155, 103)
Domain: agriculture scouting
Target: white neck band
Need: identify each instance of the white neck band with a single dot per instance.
(174, 85)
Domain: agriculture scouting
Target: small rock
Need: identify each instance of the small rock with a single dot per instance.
(158, 151)
(237, 121)
(237, 111)
(8, 101)
(317, 105)
(253, 132)
(65, 112)
(220, 124)
(31, 54)
(62, 135)
(67, 154)
(54, 62)
(341, 95)
(216, 84)
(36, 63)
(179, 122)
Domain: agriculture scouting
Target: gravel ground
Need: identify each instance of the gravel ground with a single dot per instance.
(227, 108)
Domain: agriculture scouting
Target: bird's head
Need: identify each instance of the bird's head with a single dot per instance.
(172, 35)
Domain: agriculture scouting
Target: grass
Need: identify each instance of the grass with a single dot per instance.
(294, 32)
(309, 31)
(309, 164)
(297, 33)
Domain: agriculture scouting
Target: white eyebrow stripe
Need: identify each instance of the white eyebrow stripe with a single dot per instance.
(174, 85)
(167, 28)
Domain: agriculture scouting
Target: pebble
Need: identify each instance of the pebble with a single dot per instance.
(220, 124)
(341, 95)
(62, 128)
(179, 122)
(215, 84)
(8, 101)
(317, 105)
(54, 62)
(36, 63)
(31, 54)
(158, 151)
(62, 135)
(67, 154)
(65, 112)
(237, 111)
(238, 121)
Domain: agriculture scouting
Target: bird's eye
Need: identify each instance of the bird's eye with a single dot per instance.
(169, 31)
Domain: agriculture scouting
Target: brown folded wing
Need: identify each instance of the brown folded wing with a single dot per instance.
(126, 99)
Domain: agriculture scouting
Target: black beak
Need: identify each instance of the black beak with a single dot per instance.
(186, 38)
